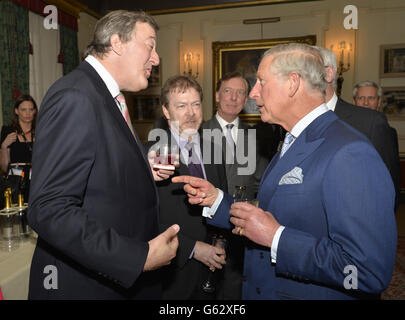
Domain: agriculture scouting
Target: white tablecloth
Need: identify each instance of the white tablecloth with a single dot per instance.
(15, 270)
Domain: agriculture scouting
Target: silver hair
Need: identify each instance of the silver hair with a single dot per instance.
(329, 59)
(367, 84)
(119, 22)
(300, 58)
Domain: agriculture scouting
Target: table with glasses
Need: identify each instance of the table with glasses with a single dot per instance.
(15, 269)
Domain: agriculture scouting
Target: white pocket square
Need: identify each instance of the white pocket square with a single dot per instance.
(295, 176)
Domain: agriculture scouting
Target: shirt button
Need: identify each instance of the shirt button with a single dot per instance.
(258, 290)
(261, 255)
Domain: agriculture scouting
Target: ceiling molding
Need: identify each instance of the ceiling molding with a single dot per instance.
(225, 6)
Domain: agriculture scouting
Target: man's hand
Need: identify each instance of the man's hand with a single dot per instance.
(162, 249)
(163, 172)
(199, 191)
(212, 257)
(253, 223)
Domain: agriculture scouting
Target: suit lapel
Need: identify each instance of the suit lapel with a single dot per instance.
(111, 108)
(307, 143)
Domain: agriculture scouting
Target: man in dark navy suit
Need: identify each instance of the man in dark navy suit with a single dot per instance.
(93, 199)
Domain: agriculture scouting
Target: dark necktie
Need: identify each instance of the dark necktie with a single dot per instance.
(194, 164)
(229, 138)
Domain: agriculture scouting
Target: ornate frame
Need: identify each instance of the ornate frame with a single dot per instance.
(254, 49)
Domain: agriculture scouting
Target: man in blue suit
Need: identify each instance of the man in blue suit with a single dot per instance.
(323, 228)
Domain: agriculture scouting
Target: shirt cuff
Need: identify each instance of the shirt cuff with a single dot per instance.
(274, 244)
(210, 212)
(192, 252)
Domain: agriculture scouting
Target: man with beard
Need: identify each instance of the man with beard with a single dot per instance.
(181, 100)
(231, 96)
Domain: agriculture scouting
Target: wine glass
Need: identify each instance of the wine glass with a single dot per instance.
(208, 286)
(165, 157)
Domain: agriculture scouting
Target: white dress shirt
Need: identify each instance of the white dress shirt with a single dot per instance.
(331, 104)
(107, 78)
(234, 130)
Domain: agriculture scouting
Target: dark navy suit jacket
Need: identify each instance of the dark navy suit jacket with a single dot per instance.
(93, 200)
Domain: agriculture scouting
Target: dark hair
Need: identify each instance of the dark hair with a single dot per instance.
(231, 75)
(119, 22)
(180, 83)
(15, 124)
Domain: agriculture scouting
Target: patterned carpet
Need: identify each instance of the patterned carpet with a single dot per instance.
(396, 289)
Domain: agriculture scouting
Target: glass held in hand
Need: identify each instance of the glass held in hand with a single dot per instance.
(253, 202)
(208, 286)
(165, 157)
(239, 193)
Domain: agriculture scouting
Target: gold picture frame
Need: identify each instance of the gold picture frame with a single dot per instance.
(392, 61)
(393, 102)
(244, 56)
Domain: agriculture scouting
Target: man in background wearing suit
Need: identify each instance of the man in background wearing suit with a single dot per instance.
(372, 124)
(93, 199)
(325, 228)
(181, 100)
(367, 94)
(231, 96)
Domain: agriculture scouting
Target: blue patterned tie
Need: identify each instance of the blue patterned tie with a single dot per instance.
(288, 141)
(194, 164)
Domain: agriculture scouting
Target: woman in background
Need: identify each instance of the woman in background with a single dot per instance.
(17, 142)
(17, 139)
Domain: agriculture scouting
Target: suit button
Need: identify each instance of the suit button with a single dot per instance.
(258, 290)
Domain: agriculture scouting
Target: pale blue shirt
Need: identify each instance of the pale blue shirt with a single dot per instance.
(181, 142)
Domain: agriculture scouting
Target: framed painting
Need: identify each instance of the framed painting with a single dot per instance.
(142, 107)
(393, 102)
(392, 61)
(244, 57)
(155, 79)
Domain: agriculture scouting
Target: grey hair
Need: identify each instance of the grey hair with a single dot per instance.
(300, 58)
(329, 59)
(367, 84)
(119, 22)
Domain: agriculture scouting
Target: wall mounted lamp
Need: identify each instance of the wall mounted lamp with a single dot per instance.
(342, 53)
(189, 60)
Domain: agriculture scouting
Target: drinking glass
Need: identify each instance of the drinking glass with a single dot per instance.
(209, 285)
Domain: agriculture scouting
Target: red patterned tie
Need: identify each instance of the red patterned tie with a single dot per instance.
(124, 110)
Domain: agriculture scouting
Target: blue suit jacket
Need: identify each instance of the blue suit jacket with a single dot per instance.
(341, 215)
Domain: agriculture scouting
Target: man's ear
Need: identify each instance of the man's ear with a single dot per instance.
(294, 81)
(379, 103)
(166, 112)
(116, 44)
(330, 74)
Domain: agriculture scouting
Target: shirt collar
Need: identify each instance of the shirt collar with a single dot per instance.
(331, 104)
(223, 122)
(181, 141)
(109, 81)
(306, 121)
